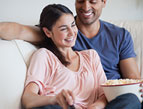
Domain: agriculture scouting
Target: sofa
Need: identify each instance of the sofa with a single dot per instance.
(15, 57)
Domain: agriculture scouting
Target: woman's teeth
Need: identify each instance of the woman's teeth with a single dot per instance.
(69, 39)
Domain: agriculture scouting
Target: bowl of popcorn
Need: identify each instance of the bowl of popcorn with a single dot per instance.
(114, 88)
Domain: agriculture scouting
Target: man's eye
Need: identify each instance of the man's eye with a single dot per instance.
(80, 1)
(93, 1)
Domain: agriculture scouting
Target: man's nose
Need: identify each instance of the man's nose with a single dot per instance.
(86, 5)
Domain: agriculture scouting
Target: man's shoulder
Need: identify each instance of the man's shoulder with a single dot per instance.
(112, 28)
(110, 25)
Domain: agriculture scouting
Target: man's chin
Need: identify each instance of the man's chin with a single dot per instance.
(86, 22)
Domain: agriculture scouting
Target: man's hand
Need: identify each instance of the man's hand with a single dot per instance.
(141, 90)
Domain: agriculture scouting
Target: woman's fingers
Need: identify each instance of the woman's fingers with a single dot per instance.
(65, 98)
(61, 100)
(69, 96)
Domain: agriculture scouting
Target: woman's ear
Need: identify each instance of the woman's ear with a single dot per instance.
(47, 32)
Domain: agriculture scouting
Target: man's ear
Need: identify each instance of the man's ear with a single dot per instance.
(47, 32)
(104, 3)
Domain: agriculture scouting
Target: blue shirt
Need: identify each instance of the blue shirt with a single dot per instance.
(112, 44)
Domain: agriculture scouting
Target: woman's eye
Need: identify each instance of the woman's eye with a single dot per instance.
(63, 29)
(73, 25)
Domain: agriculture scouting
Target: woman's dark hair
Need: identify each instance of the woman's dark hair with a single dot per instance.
(48, 18)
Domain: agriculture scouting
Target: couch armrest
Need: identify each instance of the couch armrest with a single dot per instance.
(12, 75)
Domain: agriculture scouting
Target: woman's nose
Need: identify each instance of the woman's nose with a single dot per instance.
(70, 32)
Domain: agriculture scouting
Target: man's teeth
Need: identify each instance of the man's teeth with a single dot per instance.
(87, 14)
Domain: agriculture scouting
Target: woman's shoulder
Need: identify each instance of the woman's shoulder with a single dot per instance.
(89, 52)
(43, 53)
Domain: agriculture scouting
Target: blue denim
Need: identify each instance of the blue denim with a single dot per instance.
(125, 101)
(53, 107)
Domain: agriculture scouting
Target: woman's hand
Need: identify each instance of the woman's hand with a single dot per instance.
(65, 98)
(99, 104)
(95, 107)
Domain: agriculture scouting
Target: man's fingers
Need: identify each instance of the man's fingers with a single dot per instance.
(141, 90)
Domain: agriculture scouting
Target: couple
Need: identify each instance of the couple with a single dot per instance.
(76, 67)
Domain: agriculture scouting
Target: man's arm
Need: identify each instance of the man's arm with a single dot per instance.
(129, 68)
(12, 30)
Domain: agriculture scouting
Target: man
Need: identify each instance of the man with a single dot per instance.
(113, 44)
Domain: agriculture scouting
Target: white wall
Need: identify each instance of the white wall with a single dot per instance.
(123, 10)
(28, 11)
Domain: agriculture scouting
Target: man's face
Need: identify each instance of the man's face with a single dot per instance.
(89, 11)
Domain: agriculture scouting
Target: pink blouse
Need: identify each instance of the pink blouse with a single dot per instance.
(52, 76)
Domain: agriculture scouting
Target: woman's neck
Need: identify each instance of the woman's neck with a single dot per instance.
(68, 53)
(72, 57)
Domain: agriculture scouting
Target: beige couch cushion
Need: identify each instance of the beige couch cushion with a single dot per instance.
(26, 49)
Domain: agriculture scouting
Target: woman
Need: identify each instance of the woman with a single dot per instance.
(59, 77)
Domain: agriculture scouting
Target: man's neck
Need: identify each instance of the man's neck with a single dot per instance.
(88, 30)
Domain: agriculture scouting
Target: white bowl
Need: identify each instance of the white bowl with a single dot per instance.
(112, 91)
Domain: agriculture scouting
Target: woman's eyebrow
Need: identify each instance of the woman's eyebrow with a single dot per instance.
(62, 26)
(66, 25)
(73, 22)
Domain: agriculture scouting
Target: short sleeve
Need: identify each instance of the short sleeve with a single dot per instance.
(37, 69)
(126, 46)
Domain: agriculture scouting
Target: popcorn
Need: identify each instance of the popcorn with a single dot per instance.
(122, 81)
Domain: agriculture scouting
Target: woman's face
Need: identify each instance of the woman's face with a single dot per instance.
(64, 32)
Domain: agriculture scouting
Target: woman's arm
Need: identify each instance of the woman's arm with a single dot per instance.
(99, 104)
(31, 98)
(12, 30)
